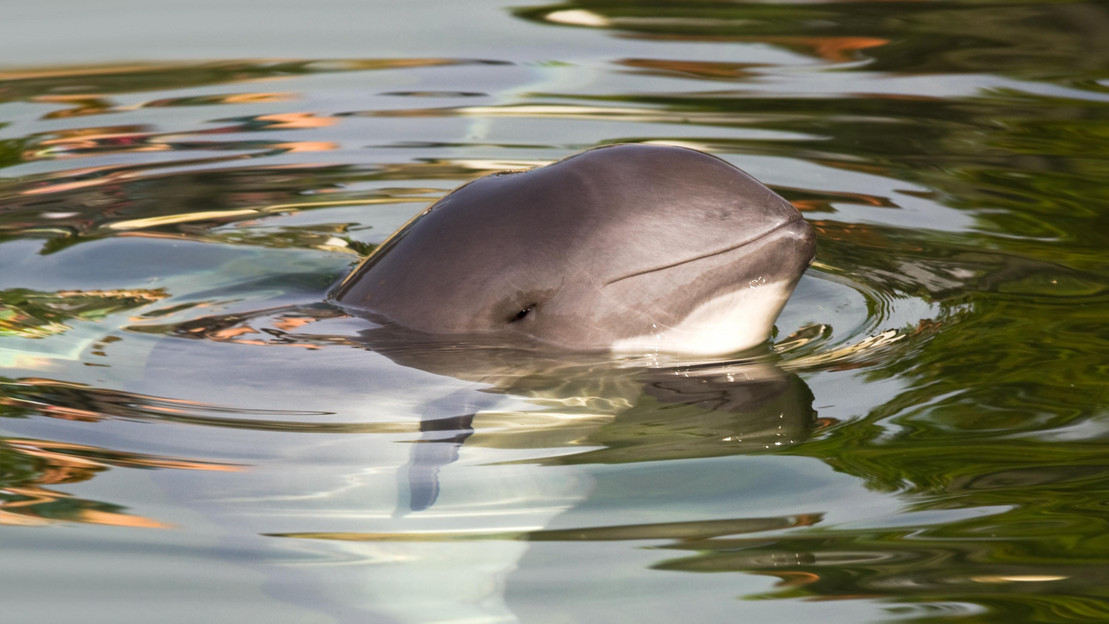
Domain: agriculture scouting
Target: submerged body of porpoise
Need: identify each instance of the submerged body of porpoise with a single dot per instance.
(625, 247)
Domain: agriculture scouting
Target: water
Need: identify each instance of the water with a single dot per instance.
(187, 434)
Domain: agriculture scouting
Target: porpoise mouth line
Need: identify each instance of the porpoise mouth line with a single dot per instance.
(709, 254)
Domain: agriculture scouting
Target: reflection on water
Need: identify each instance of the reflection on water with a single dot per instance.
(38, 463)
(924, 441)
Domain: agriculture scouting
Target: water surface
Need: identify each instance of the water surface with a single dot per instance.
(187, 433)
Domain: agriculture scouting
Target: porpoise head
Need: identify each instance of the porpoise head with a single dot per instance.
(626, 247)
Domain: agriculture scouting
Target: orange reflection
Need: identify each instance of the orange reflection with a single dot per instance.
(69, 413)
(80, 105)
(298, 121)
(228, 333)
(21, 507)
(69, 455)
(270, 328)
(834, 49)
(825, 204)
(25, 501)
(858, 234)
(307, 146)
(290, 323)
(796, 579)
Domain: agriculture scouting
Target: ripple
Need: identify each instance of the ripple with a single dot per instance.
(70, 401)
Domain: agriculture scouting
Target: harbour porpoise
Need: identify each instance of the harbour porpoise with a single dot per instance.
(629, 247)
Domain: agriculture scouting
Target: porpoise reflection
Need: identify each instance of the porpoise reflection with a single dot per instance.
(626, 247)
(613, 405)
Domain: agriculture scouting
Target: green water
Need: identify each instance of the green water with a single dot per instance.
(187, 435)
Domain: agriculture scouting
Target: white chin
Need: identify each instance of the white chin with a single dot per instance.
(732, 322)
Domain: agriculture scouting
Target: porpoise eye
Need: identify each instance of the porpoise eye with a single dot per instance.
(522, 313)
